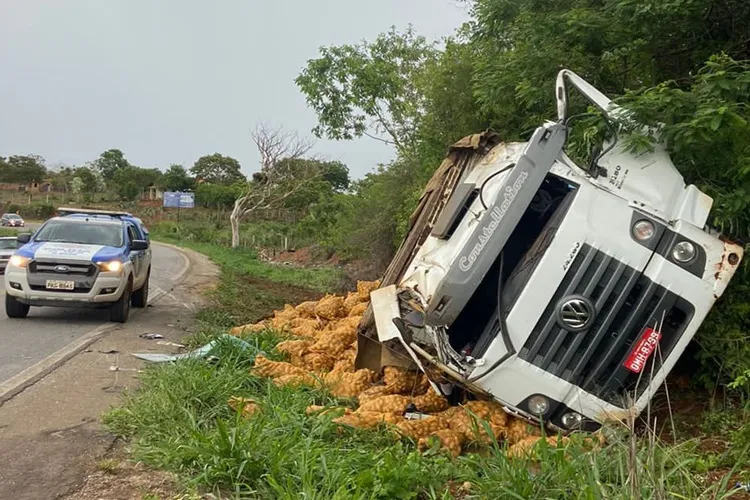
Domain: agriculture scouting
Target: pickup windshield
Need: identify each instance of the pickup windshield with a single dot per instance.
(8, 244)
(88, 233)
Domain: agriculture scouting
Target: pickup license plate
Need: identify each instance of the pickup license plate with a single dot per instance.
(642, 350)
(60, 285)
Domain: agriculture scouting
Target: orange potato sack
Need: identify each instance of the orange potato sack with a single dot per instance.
(294, 348)
(394, 403)
(345, 362)
(368, 419)
(330, 307)
(266, 368)
(246, 406)
(348, 385)
(417, 429)
(526, 447)
(364, 288)
(306, 309)
(318, 361)
(359, 309)
(288, 313)
(449, 440)
(373, 393)
(518, 429)
(351, 300)
(311, 323)
(431, 402)
(248, 329)
(403, 381)
(351, 323)
(334, 343)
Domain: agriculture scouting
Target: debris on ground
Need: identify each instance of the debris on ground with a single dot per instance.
(321, 346)
(151, 336)
(203, 352)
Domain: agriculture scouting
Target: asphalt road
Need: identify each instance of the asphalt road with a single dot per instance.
(24, 342)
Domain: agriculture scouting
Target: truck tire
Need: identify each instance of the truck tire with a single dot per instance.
(140, 296)
(120, 310)
(14, 308)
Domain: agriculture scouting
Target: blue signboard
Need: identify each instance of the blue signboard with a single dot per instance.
(175, 199)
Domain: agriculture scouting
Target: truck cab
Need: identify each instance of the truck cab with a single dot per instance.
(565, 293)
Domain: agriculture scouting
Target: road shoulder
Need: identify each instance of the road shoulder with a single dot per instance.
(50, 437)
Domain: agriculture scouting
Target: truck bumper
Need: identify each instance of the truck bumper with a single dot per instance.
(105, 291)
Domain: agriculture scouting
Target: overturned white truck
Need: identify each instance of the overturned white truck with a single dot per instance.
(565, 293)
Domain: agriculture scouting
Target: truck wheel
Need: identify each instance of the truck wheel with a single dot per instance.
(140, 296)
(14, 308)
(120, 310)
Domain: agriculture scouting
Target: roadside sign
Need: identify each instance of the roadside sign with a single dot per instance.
(176, 199)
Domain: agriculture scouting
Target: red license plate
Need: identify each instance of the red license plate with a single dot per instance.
(642, 350)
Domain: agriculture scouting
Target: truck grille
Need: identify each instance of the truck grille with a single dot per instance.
(626, 302)
(73, 269)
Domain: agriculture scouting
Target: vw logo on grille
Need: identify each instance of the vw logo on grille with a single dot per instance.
(575, 313)
(62, 269)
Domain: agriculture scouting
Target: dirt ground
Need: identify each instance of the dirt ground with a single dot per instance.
(51, 443)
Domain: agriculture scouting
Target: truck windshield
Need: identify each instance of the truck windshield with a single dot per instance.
(88, 233)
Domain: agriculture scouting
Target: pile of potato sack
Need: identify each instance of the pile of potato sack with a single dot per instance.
(322, 349)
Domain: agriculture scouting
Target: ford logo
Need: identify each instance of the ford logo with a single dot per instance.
(62, 269)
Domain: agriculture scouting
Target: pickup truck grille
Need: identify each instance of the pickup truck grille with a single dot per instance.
(626, 302)
(72, 269)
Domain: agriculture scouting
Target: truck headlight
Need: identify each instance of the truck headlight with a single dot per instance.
(113, 266)
(538, 405)
(572, 420)
(643, 230)
(18, 261)
(683, 252)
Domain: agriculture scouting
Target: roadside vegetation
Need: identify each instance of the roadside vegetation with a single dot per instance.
(682, 66)
(179, 420)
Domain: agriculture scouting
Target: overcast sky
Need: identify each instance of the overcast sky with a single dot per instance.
(167, 81)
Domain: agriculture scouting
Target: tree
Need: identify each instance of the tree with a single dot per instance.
(110, 162)
(217, 169)
(23, 169)
(279, 178)
(176, 178)
(131, 181)
(87, 181)
(370, 89)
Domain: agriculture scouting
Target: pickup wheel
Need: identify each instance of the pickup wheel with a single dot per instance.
(120, 310)
(14, 308)
(140, 296)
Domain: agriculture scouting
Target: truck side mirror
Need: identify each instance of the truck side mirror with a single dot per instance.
(24, 238)
(139, 245)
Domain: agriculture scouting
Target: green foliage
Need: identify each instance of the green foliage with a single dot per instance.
(22, 169)
(176, 178)
(109, 162)
(369, 88)
(130, 181)
(217, 169)
(217, 195)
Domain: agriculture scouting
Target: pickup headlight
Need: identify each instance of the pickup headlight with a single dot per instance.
(113, 266)
(683, 252)
(18, 261)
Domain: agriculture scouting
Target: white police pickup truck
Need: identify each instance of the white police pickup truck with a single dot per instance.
(86, 258)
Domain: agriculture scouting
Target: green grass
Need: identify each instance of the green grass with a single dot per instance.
(180, 421)
(245, 261)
